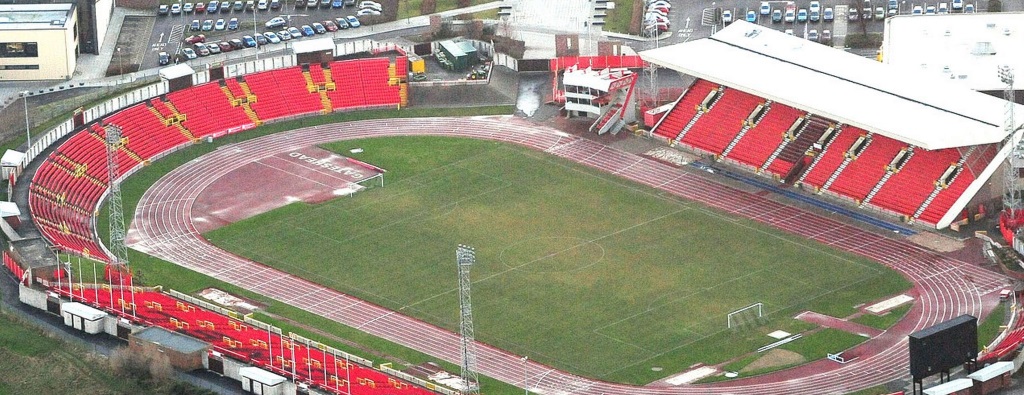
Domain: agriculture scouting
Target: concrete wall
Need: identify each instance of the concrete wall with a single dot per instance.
(32, 297)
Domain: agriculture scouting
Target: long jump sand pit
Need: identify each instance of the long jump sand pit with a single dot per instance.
(308, 174)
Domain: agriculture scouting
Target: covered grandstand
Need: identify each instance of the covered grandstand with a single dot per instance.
(912, 147)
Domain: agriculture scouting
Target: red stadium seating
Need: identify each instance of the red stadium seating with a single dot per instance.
(716, 129)
(244, 342)
(761, 140)
(832, 157)
(684, 110)
(68, 185)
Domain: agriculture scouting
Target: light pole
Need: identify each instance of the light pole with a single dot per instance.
(254, 33)
(28, 133)
(526, 386)
(120, 64)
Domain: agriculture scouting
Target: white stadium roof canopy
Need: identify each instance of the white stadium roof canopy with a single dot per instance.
(925, 111)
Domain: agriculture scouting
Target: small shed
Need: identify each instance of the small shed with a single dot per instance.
(991, 378)
(82, 317)
(185, 352)
(457, 56)
(955, 387)
(12, 162)
(261, 382)
(10, 212)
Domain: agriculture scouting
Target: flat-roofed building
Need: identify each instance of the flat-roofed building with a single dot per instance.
(38, 41)
(964, 49)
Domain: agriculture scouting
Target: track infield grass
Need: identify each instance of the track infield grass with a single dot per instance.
(575, 268)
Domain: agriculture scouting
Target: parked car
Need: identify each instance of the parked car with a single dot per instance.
(826, 36)
(175, 9)
(815, 6)
(879, 13)
(262, 5)
(250, 5)
(196, 39)
(284, 35)
(812, 35)
(272, 38)
(261, 40)
(330, 26)
(300, 3)
(275, 4)
(790, 16)
(341, 22)
(337, 3)
(225, 46)
(852, 14)
(307, 31)
(189, 53)
(312, 3)
(378, 8)
(238, 6)
(248, 41)
(295, 32)
(368, 3)
(276, 22)
(163, 9)
(200, 7)
(163, 58)
(207, 25)
(815, 16)
(352, 21)
(325, 3)
(367, 11)
(213, 47)
(195, 25)
(236, 43)
(213, 7)
(968, 8)
(917, 10)
(930, 10)
(233, 24)
(828, 15)
(766, 8)
(220, 25)
(726, 16)
(751, 17)
(943, 8)
(958, 4)
(801, 16)
(318, 28)
(776, 16)
(188, 8)
(201, 49)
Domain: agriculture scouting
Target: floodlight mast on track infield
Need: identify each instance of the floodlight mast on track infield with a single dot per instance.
(465, 257)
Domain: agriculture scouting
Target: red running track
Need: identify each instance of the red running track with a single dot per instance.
(944, 287)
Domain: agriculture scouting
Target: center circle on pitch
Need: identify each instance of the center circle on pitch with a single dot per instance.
(552, 254)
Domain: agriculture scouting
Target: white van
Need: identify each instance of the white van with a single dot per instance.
(943, 8)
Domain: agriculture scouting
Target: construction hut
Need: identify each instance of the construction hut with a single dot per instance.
(259, 381)
(185, 352)
(456, 56)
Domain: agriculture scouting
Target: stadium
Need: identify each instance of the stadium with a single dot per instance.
(556, 217)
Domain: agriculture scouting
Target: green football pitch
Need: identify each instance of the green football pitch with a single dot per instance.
(575, 268)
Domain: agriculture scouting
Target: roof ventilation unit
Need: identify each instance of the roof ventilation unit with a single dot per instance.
(1006, 31)
(983, 48)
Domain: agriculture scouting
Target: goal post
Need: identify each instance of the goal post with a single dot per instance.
(742, 316)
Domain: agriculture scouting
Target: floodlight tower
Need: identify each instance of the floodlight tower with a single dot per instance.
(1011, 178)
(117, 247)
(465, 256)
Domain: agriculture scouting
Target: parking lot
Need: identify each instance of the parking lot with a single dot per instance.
(238, 20)
(692, 20)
